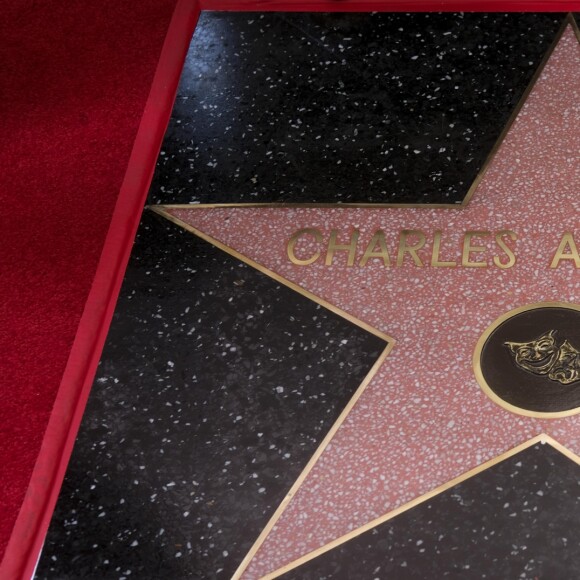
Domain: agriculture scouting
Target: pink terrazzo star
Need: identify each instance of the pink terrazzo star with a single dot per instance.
(423, 420)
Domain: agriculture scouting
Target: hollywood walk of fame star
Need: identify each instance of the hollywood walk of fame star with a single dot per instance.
(423, 420)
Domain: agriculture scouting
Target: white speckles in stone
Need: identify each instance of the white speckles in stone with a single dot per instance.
(329, 135)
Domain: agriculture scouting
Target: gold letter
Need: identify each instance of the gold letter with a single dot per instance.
(567, 240)
(378, 238)
(511, 256)
(350, 247)
(435, 256)
(468, 248)
(405, 248)
(292, 244)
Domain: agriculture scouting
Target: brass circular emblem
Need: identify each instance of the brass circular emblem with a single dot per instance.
(528, 360)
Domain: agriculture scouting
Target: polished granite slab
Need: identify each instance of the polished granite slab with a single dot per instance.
(345, 108)
(216, 386)
(426, 419)
(518, 519)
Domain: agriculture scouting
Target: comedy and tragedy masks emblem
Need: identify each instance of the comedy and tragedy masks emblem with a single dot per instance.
(543, 356)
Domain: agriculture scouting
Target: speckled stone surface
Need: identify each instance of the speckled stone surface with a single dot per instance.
(518, 519)
(424, 419)
(215, 388)
(344, 108)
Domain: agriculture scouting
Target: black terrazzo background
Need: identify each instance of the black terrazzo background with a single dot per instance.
(215, 388)
(345, 107)
(519, 519)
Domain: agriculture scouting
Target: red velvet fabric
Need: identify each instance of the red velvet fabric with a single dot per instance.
(74, 80)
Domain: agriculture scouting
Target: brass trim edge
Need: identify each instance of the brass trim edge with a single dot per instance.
(542, 438)
(574, 25)
(161, 210)
(568, 21)
(478, 371)
(310, 465)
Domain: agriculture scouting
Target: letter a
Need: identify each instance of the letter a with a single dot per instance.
(567, 241)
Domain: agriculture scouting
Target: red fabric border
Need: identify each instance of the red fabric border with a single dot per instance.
(31, 526)
(393, 5)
